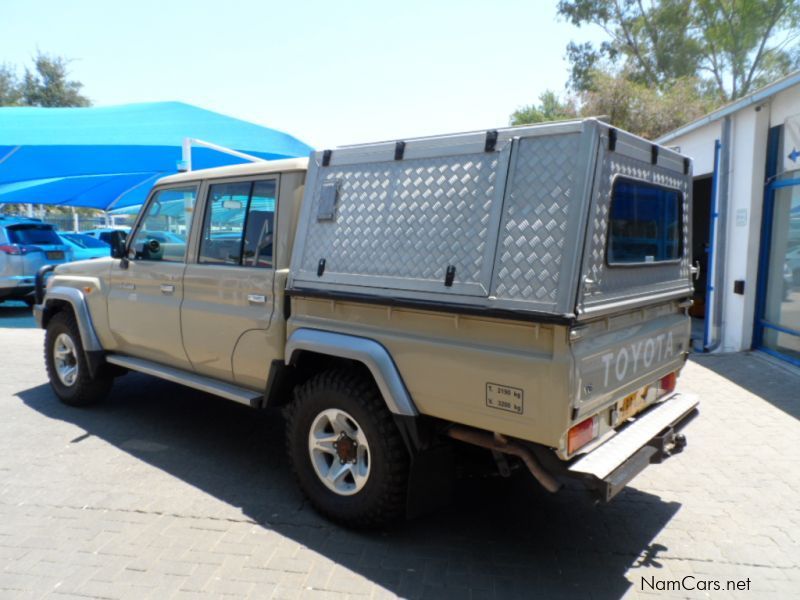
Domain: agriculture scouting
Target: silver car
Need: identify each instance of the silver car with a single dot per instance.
(25, 246)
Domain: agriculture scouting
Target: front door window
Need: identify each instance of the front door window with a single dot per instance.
(164, 231)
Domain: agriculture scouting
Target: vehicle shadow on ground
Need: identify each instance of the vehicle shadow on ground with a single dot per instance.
(752, 371)
(16, 315)
(498, 538)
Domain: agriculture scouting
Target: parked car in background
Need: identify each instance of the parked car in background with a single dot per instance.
(104, 233)
(85, 247)
(164, 237)
(25, 245)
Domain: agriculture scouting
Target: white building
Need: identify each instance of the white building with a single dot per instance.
(746, 209)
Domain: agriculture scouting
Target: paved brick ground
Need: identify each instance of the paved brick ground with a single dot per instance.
(167, 493)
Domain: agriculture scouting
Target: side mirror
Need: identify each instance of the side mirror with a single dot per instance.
(118, 250)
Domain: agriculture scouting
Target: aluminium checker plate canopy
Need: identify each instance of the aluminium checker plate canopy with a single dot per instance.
(484, 222)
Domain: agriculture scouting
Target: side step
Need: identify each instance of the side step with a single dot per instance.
(192, 380)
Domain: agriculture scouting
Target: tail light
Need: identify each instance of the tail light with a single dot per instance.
(13, 249)
(581, 434)
(668, 382)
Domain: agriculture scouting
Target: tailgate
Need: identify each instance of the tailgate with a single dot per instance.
(621, 355)
(44, 255)
(638, 247)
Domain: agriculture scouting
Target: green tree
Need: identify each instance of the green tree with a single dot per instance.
(625, 103)
(550, 108)
(46, 84)
(730, 46)
(643, 109)
(9, 86)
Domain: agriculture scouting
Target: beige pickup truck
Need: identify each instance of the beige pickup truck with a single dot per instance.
(524, 290)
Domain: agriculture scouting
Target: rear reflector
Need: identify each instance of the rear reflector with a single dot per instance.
(668, 382)
(581, 434)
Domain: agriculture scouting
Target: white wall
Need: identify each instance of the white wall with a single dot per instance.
(748, 150)
(786, 104)
(745, 200)
(699, 146)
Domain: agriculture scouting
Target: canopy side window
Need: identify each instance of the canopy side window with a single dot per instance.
(644, 224)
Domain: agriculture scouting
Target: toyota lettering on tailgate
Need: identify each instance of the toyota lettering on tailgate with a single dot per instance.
(626, 362)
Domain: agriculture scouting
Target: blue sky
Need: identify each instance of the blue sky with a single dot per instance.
(330, 73)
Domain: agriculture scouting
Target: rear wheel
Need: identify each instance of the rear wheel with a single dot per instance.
(66, 364)
(346, 451)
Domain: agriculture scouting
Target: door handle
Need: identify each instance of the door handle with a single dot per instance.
(256, 298)
(167, 288)
(695, 270)
(127, 286)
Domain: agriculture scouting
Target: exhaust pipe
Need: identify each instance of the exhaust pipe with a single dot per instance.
(500, 443)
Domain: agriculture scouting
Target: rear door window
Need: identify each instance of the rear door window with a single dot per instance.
(260, 223)
(644, 223)
(238, 224)
(33, 234)
(221, 243)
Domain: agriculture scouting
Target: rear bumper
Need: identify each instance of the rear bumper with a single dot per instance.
(651, 438)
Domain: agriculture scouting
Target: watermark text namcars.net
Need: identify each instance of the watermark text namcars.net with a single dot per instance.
(690, 583)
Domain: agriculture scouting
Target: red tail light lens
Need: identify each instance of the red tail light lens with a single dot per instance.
(668, 382)
(581, 434)
(13, 249)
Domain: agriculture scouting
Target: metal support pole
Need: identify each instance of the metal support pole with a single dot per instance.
(186, 155)
(187, 152)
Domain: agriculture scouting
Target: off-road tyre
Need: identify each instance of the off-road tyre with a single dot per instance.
(86, 389)
(382, 500)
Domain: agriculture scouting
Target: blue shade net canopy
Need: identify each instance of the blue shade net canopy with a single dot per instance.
(109, 157)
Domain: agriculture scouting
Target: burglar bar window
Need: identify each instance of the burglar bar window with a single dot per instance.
(644, 224)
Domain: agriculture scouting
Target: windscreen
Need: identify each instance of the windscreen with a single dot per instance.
(86, 241)
(644, 223)
(33, 234)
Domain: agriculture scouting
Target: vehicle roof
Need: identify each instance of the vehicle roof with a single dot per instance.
(253, 168)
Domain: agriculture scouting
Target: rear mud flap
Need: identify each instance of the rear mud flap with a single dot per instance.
(431, 481)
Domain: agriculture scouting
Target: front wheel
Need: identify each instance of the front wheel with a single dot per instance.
(346, 451)
(66, 364)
